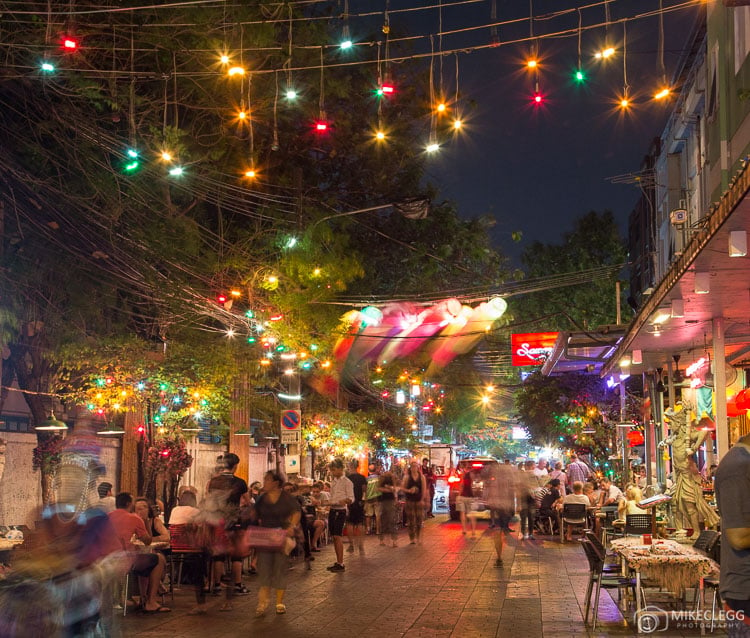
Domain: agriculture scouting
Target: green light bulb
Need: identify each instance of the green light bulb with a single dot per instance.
(579, 76)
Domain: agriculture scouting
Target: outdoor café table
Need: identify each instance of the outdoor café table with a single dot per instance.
(671, 564)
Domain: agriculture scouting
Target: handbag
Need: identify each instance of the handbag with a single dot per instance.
(269, 538)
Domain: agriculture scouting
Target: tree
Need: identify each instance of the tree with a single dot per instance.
(593, 242)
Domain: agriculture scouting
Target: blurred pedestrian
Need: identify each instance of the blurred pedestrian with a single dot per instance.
(388, 501)
(276, 509)
(414, 487)
(499, 493)
(429, 476)
(356, 514)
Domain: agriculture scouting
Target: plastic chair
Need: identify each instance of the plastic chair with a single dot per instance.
(599, 580)
(637, 524)
(574, 515)
(706, 541)
(182, 547)
(608, 568)
(608, 529)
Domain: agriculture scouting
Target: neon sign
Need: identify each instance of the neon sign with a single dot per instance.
(531, 348)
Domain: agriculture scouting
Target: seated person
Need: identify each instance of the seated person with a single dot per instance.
(629, 505)
(550, 497)
(150, 515)
(577, 497)
(319, 504)
(148, 567)
(610, 493)
(183, 513)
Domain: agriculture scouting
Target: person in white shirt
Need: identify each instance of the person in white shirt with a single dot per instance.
(540, 471)
(577, 497)
(185, 511)
(342, 495)
(106, 502)
(611, 494)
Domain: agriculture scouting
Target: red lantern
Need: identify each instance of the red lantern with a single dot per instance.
(733, 409)
(742, 400)
(635, 438)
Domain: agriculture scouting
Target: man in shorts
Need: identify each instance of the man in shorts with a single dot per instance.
(356, 516)
(342, 495)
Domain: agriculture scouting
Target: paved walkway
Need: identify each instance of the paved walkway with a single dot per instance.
(446, 587)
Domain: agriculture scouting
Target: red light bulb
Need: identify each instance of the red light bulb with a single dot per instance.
(69, 44)
(221, 298)
(538, 98)
(388, 89)
(321, 127)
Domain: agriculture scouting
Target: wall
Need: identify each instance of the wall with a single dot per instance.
(20, 488)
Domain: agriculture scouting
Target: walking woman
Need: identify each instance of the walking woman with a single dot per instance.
(388, 491)
(274, 508)
(414, 487)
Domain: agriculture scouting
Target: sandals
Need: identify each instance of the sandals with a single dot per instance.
(260, 611)
(281, 608)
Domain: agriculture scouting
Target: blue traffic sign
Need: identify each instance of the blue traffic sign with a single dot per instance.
(290, 420)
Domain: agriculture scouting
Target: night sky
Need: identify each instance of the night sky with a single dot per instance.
(537, 168)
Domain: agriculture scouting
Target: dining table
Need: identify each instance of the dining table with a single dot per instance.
(673, 566)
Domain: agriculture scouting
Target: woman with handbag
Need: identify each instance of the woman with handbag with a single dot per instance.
(274, 509)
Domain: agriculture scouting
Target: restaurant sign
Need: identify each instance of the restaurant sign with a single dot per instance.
(531, 348)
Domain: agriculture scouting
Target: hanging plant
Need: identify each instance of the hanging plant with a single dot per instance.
(47, 455)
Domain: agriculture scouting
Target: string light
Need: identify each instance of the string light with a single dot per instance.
(532, 63)
(441, 107)
(224, 59)
(432, 147)
(236, 70)
(291, 94)
(346, 44)
(70, 44)
(661, 94)
(457, 124)
(177, 171)
(605, 53)
(380, 136)
(166, 156)
(47, 67)
(250, 173)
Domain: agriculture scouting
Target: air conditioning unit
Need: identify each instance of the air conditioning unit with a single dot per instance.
(678, 216)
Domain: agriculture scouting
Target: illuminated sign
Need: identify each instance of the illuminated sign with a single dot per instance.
(532, 348)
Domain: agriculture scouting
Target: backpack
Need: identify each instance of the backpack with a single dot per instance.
(373, 488)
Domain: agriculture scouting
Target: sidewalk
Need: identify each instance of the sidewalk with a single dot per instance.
(448, 586)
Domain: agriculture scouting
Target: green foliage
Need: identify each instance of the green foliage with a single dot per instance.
(557, 410)
(594, 241)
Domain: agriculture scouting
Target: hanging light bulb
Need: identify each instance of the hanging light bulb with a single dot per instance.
(380, 136)
(441, 107)
(250, 173)
(532, 63)
(606, 52)
(661, 94)
(224, 58)
(236, 71)
(291, 94)
(432, 147)
(166, 156)
(457, 124)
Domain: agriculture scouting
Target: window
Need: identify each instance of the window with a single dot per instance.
(14, 424)
(741, 36)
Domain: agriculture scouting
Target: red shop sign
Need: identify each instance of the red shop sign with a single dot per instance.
(531, 348)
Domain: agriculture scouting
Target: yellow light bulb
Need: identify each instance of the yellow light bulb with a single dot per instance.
(380, 135)
(236, 70)
(272, 279)
(166, 156)
(441, 107)
(662, 94)
(224, 59)
(250, 173)
(242, 115)
(457, 124)
(532, 64)
(317, 272)
(624, 103)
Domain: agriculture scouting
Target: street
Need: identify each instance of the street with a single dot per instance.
(448, 586)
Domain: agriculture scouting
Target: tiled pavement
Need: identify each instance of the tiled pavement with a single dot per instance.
(446, 587)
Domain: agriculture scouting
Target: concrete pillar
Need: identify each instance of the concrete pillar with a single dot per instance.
(720, 387)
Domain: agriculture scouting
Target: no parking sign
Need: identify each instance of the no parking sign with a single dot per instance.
(290, 426)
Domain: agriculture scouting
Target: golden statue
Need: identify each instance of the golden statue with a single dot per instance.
(687, 492)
